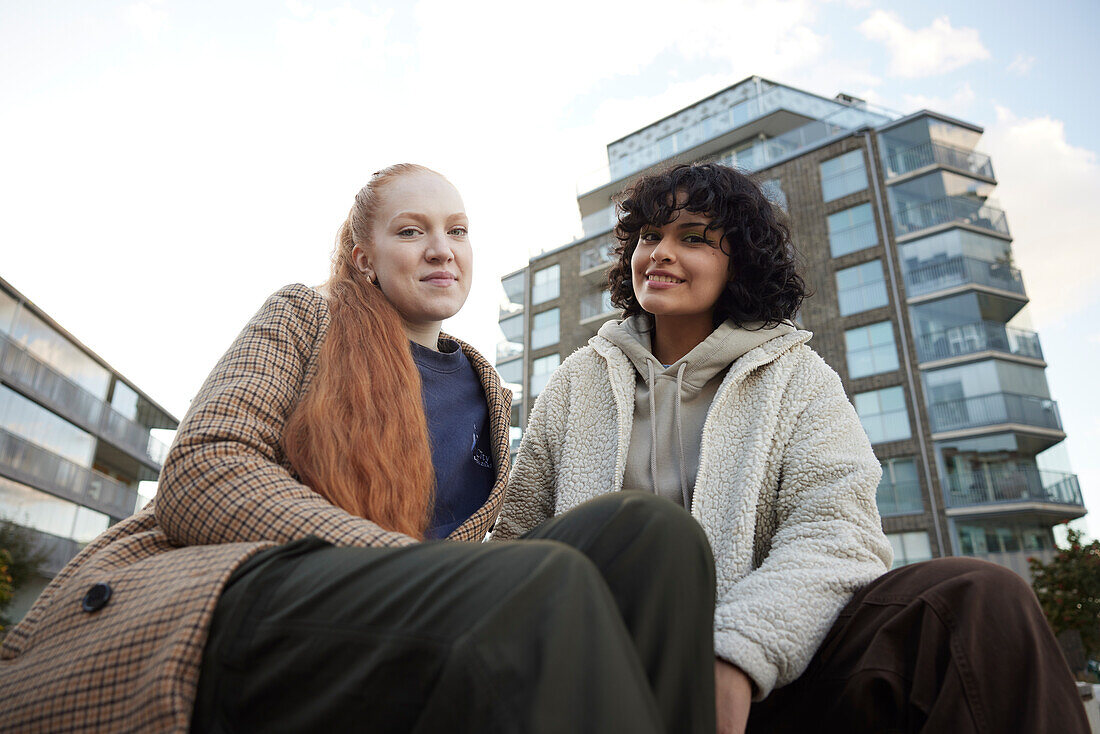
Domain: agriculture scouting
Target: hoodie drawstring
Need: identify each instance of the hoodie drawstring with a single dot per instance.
(679, 435)
(679, 431)
(652, 427)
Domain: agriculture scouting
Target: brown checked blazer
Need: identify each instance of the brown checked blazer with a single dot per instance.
(226, 492)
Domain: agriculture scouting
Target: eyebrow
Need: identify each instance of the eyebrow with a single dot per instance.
(423, 218)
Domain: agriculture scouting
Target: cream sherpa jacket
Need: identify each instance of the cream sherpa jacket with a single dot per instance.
(785, 490)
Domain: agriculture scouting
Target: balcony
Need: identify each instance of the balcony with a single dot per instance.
(981, 336)
(829, 117)
(953, 272)
(598, 256)
(1012, 484)
(597, 304)
(508, 350)
(937, 154)
(994, 409)
(33, 465)
(74, 403)
(949, 210)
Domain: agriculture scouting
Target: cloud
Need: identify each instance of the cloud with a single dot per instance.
(1049, 189)
(148, 18)
(957, 104)
(930, 51)
(1021, 65)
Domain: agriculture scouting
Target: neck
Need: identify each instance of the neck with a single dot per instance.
(675, 336)
(426, 335)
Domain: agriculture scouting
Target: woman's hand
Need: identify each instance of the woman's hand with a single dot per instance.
(733, 694)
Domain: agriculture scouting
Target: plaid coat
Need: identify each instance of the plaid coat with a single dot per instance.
(226, 492)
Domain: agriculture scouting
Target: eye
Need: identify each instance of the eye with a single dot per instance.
(408, 232)
(694, 238)
(649, 237)
(459, 231)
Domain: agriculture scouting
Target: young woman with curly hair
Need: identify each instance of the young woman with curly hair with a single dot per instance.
(706, 394)
(297, 570)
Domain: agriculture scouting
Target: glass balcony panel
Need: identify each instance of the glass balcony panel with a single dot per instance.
(596, 304)
(1011, 483)
(829, 118)
(981, 336)
(597, 255)
(56, 390)
(508, 350)
(976, 212)
(994, 409)
(938, 275)
(33, 464)
(72, 402)
(927, 154)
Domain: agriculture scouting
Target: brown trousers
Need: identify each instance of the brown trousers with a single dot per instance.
(951, 645)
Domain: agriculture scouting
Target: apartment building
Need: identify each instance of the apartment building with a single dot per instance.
(75, 437)
(916, 303)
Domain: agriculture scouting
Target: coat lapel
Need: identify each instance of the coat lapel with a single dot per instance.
(499, 400)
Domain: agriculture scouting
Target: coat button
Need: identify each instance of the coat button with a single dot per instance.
(96, 598)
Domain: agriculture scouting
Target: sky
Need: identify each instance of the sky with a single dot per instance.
(165, 165)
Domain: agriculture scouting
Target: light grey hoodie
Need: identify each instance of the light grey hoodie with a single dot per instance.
(671, 403)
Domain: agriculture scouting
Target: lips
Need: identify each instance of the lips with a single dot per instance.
(440, 278)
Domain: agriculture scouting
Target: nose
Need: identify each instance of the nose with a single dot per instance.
(663, 252)
(439, 249)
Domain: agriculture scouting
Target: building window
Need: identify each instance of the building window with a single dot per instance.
(541, 369)
(861, 288)
(47, 345)
(871, 349)
(511, 372)
(899, 490)
(843, 175)
(547, 284)
(883, 414)
(851, 230)
(546, 328)
(910, 548)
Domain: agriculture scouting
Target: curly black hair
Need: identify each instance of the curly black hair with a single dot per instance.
(765, 285)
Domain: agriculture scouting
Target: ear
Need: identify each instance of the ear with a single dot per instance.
(362, 262)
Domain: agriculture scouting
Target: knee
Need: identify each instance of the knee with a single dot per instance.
(662, 533)
(554, 565)
(970, 582)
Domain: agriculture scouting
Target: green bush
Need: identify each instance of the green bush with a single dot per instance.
(1069, 590)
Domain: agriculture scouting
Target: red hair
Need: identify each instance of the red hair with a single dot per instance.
(358, 437)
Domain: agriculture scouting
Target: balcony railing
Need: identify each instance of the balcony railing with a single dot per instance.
(596, 304)
(73, 402)
(938, 275)
(1012, 484)
(994, 409)
(31, 464)
(597, 255)
(507, 350)
(830, 117)
(961, 209)
(980, 336)
(929, 154)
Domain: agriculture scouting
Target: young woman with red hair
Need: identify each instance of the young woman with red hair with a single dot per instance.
(297, 570)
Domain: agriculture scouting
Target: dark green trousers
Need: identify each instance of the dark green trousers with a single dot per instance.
(600, 620)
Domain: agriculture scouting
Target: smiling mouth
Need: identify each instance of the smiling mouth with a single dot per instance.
(662, 279)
